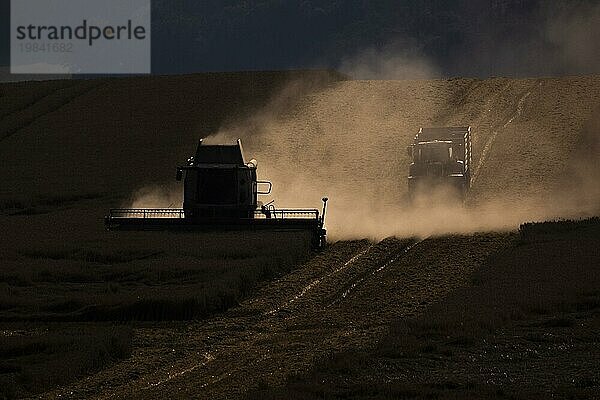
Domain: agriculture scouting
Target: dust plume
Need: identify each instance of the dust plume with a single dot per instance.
(348, 142)
(253, 127)
(156, 196)
(582, 184)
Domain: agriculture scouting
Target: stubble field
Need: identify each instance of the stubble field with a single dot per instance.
(380, 313)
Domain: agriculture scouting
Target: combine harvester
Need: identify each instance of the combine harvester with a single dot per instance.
(441, 159)
(221, 194)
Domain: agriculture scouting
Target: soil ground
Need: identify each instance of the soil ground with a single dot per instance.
(72, 149)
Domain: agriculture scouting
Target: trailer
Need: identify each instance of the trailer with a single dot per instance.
(440, 157)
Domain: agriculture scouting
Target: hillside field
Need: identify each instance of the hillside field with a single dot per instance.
(232, 315)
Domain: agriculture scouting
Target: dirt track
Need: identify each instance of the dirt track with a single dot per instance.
(343, 298)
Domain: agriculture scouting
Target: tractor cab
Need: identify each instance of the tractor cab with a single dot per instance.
(434, 151)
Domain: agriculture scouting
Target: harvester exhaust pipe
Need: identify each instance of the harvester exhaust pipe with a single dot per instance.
(325, 199)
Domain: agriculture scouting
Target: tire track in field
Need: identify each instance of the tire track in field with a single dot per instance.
(310, 294)
(209, 357)
(214, 357)
(371, 273)
(488, 145)
(318, 281)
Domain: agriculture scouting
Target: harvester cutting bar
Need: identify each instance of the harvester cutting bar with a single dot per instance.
(175, 220)
(146, 213)
(178, 213)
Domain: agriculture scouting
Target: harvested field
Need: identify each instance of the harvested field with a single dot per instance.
(233, 315)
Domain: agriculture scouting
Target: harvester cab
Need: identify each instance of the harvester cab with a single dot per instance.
(221, 192)
(219, 183)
